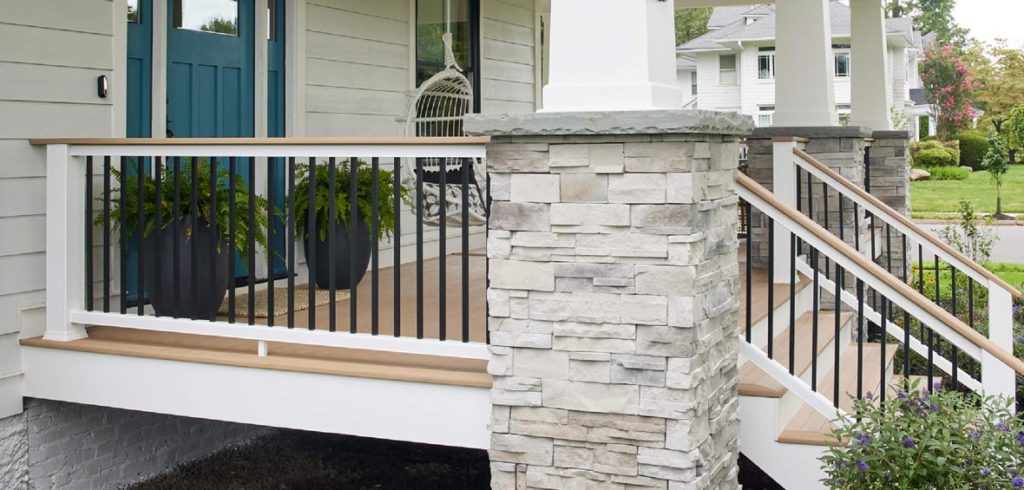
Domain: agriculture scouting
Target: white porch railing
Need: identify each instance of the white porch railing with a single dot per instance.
(115, 204)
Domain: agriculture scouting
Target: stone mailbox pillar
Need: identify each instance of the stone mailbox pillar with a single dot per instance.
(613, 299)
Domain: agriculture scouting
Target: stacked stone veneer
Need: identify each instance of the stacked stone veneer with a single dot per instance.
(890, 182)
(67, 445)
(613, 299)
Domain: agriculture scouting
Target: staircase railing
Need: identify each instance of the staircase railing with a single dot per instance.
(791, 231)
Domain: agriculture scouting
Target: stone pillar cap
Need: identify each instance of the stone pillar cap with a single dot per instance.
(608, 123)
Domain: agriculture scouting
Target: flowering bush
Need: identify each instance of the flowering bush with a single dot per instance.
(950, 89)
(921, 440)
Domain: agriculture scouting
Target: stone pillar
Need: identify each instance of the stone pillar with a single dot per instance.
(841, 148)
(890, 182)
(613, 299)
(805, 65)
(870, 97)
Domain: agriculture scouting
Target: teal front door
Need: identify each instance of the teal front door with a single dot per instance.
(210, 75)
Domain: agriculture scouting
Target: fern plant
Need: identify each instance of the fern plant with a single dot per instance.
(125, 204)
(386, 207)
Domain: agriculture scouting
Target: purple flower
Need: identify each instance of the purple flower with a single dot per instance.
(907, 442)
(902, 395)
(986, 472)
(975, 435)
(1020, 438)
(862, 466)
(863, 440)
(869, 396)
(838, 465)
(937, 386)
(1019, 340)
(1002, 426)
(1017, 482)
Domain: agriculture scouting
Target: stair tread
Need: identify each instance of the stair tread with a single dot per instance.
(755, 382)
(810, 427)
(759, 300)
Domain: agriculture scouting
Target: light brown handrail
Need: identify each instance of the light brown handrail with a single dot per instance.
(305, 141)
(881, 274)
(906, 222)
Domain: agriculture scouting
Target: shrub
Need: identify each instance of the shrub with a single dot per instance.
(973, 147)
(935, 157)
(925, 144)
(917, 439)
(949, 173)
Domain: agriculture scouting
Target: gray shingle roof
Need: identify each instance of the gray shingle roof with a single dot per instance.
(764, 28)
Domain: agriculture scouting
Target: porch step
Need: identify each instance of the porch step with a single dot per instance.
(810, 427)
(755, 382)
(759, 307)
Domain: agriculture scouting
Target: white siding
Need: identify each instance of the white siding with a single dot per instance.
(52, 53)
(712, 95)
(507, 56)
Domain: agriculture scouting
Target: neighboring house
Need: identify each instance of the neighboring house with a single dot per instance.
(732, 67)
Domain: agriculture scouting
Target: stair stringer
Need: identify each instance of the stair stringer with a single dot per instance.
(794, 466)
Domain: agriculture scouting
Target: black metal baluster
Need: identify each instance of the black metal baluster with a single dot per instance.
(271, 170)
(89, 293)
(123, 237)
(842, 235)
(140, 224)
(375, 244)
(194, 222)
(290, 240)
(106, 234)
(885, 337)
(158, 207)
(396, 248)
(311, 231)
(888, 248)
(954, 350)
(906, 320)
(860, 339)
(750, 270)
(353, 216)
(442, 301)
(419, 248)
(176, 234)
(213, 224)
(815, 309)
(251, 266)
(232, 241)
(835, 338)
(771, 288)
(792, 302)
(467, 167)
(332, 220)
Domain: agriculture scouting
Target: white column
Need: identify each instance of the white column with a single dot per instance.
(998, 379)
(612, 55)
(805, 65)
(784, 188)
(65, 237)
(870, 95)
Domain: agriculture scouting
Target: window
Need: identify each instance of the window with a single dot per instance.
(842, 64)
(764, 116)
(844, 114)
(431, 25)
(216, 16)
(766, 63)
(727, 69)
(693, 83)
(133, 12)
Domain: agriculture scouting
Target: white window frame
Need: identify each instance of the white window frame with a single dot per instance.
(765, 115)
(849, 62)
(769, 55)
(693, 83)
(734, 70)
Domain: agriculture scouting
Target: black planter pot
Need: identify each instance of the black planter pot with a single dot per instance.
(196, 297)
(344, 242)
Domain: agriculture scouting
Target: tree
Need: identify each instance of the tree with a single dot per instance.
(691, 23)
(950, 88)
(934, 17)
(997, 163)
(220, 25)
(1000, 71)
(1014, 132)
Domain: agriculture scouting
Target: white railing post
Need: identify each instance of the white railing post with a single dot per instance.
(65, 242)
(784, 188)
(996, 377)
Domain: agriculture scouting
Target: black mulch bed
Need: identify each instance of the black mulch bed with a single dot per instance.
(306, 460)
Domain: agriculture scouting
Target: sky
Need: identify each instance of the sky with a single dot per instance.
(991, 19)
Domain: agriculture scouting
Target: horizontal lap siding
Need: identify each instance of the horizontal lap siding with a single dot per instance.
(507, 52)
(54, 52)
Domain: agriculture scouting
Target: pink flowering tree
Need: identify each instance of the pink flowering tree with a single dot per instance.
(950, 89)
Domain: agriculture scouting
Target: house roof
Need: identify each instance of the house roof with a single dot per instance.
(762, 26)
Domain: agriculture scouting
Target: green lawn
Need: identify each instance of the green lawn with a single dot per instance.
(929, 197)
(1011, 273)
